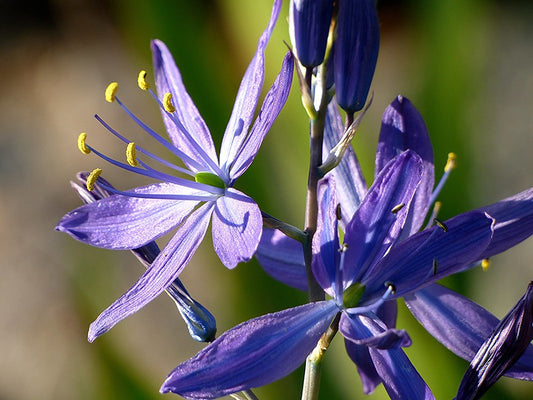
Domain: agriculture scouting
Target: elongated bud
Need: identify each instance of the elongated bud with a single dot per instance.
(506, 344)
(200, 322)
(309, 22)
(356, 52)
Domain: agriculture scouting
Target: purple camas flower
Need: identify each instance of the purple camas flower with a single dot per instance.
(309, 22)
(505, 345)
(133, 218)
(401, 255)
(356, 52)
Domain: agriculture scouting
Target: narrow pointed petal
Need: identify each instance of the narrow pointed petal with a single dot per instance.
(509, 339)
(274, 101)
(375, 227)
(514, 222)
(237, 227)
(388, 313)
(399, 376)
(460, 324)
(247, 97)
(411, 264)
(403, 128)
(350, 184)
(168, 80)
(282, 258)
(123, 223)
(365, 366)
(253, 353)
(371, 332)
(165, 269)
(325, 245)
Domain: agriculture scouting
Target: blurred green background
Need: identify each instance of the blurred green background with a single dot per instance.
(466, 64)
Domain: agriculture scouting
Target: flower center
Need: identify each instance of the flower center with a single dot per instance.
(352, 295)
(210, 179)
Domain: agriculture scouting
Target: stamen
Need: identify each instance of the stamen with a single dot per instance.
(397, 208)
(450, 165)
(338, 212)
(435, 266)
(485, 264)
(451, 162)
(81, 143)
(167, 103)
(141, 81)
(436, 209)
(130, 154)
(441, 224)
(91, 179)
(390, 287)
(111, 91)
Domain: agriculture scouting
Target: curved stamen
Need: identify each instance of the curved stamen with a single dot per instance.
(159, 138)
(205, 157)
(143, 151)
(450, 166)
(160, 175)
(159, 196)
(371, 307)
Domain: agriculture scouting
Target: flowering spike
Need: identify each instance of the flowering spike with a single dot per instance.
(91, 179)
(141, 81)
(130, 154)
(81, 143)
(309, 22)
(485, 264)
(167, 103)
(451, 162)
(111, 91)
(356, 52)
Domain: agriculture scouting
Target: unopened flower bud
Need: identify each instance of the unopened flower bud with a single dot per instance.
(309, 22)
(356, 52)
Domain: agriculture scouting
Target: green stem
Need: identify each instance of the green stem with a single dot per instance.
(291, 231)
(313, 364)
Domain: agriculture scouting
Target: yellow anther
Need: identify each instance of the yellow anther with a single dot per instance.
(485, 264)
(437, 206)
(451, 162)
(141, 80)
(130, 154)
(81, 143)
(91, 179)
(167, 103)
(111, 91)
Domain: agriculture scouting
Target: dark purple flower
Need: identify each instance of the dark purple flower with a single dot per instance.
(134, 218)
(412, 260)
(356, 52)
(309, 22)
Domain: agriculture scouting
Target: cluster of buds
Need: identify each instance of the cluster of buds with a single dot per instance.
(343, 34)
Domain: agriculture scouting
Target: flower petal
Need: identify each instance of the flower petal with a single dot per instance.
(514, 222)
(325, 245)
(165, 269)
(253, 353)
(371, 332)
(460, 324)
(122, 222)
(274, 101)
(365, 366)
(168, 80)
(400, 378)
(431, 255)
(403, 128)
(247, 97)
(375, 227)
(350, 183)
(282, 258)
(237, 227)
